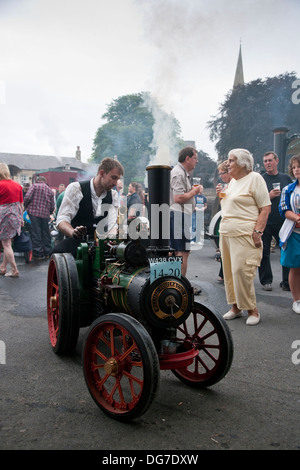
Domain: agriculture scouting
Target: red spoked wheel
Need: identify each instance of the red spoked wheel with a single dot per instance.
(63, 303)
(208, 332)
(121, 366)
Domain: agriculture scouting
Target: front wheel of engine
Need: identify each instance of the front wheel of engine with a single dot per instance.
(121, 366)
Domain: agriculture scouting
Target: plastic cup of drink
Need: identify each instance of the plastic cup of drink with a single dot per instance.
(223, 190)
(196, 181)
(276, 186)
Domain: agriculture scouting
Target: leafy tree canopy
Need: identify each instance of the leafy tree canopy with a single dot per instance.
(128, 134)
(250, 112)
(205, 168)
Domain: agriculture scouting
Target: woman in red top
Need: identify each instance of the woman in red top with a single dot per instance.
(11, 218)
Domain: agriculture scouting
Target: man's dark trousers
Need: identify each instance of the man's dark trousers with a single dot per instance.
(265, 271)
(40, 236)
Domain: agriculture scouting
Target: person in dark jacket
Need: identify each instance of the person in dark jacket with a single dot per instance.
(87, 203)
(135, 200)
(272, 177)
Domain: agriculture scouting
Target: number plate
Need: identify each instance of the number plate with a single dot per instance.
(161, 267)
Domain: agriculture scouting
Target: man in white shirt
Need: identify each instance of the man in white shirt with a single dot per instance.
(87, 203)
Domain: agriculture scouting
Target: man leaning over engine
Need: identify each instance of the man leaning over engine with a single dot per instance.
(84, 206)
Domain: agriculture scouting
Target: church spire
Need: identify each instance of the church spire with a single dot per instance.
(239, 74)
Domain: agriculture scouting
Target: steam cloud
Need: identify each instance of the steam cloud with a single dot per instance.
(50, 129)
(168, 25)
(163, 143)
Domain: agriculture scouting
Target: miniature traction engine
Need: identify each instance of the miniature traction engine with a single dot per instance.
(140, 310)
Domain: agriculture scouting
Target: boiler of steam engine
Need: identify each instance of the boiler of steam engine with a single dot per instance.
(166, 302)
(160, 296)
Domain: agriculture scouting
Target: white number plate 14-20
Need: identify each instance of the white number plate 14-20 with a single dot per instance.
(161, 267)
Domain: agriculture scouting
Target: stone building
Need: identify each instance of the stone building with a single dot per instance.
(25, 168)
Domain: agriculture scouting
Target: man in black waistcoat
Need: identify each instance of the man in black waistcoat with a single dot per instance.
(86, 203)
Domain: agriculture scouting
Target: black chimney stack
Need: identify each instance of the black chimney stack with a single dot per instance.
(159, 197)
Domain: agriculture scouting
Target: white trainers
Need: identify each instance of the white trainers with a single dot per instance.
(296, 306)
(253, 320)
(231, 315)
(267, 286)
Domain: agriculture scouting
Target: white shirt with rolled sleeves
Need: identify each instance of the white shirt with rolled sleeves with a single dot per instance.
(71, 200)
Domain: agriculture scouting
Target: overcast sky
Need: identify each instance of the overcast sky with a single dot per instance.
(63, 61)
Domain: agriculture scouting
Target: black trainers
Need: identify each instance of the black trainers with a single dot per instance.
(285, 287)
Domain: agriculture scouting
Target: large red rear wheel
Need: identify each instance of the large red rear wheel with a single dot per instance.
(208, 332)
(121, 366)
(63, 303)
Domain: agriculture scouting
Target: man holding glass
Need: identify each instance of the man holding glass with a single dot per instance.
(275, 182)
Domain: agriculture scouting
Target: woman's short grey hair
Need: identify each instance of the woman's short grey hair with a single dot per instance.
(244, 158)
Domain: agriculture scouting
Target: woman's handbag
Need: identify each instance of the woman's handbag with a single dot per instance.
(22, 242)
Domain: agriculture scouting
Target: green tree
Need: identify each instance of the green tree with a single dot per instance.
(128, 134)
(250, 112)
(205, 168)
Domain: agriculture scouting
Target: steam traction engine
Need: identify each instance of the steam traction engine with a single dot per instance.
(141, 314)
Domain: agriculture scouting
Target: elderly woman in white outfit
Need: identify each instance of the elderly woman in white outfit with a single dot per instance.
(245, 210)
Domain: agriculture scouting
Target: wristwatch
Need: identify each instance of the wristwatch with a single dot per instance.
(258, 231)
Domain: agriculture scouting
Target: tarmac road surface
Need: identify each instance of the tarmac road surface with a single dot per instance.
(44, 403)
